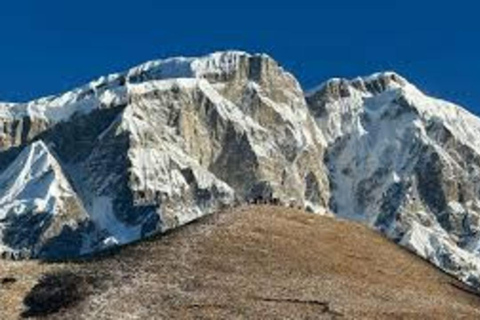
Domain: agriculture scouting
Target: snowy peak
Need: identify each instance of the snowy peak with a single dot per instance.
(332, 101)
(212, 65)
(172, 140)
(36, 203)
(397, 161)
(377, 83)
(33, 165)
(380, 82)
(110, 91)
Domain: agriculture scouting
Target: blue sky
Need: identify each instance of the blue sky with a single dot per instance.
(51, 46)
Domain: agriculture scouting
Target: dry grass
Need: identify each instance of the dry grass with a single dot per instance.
(258, 263)
(26, 275)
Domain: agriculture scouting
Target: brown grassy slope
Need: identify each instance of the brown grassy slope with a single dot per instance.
(265, 263)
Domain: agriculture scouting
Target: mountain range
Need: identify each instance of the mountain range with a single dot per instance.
(145, 151)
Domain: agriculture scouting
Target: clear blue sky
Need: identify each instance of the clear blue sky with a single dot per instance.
(50, 46)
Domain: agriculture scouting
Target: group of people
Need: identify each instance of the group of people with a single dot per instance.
(266, 200)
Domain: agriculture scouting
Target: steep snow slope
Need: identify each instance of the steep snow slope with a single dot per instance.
(406, 164)
(36, 204)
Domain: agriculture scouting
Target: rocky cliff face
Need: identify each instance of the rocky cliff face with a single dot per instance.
(163, 144)
(147, 150)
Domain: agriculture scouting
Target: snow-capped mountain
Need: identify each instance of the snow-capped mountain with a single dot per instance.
(406, 164)
(147, 150)
(167, 142)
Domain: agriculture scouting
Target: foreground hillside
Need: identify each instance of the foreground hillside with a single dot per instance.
(255, 262)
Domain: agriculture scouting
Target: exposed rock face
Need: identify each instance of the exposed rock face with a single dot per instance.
(406, 164)
(168, 142)
(162, 144)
